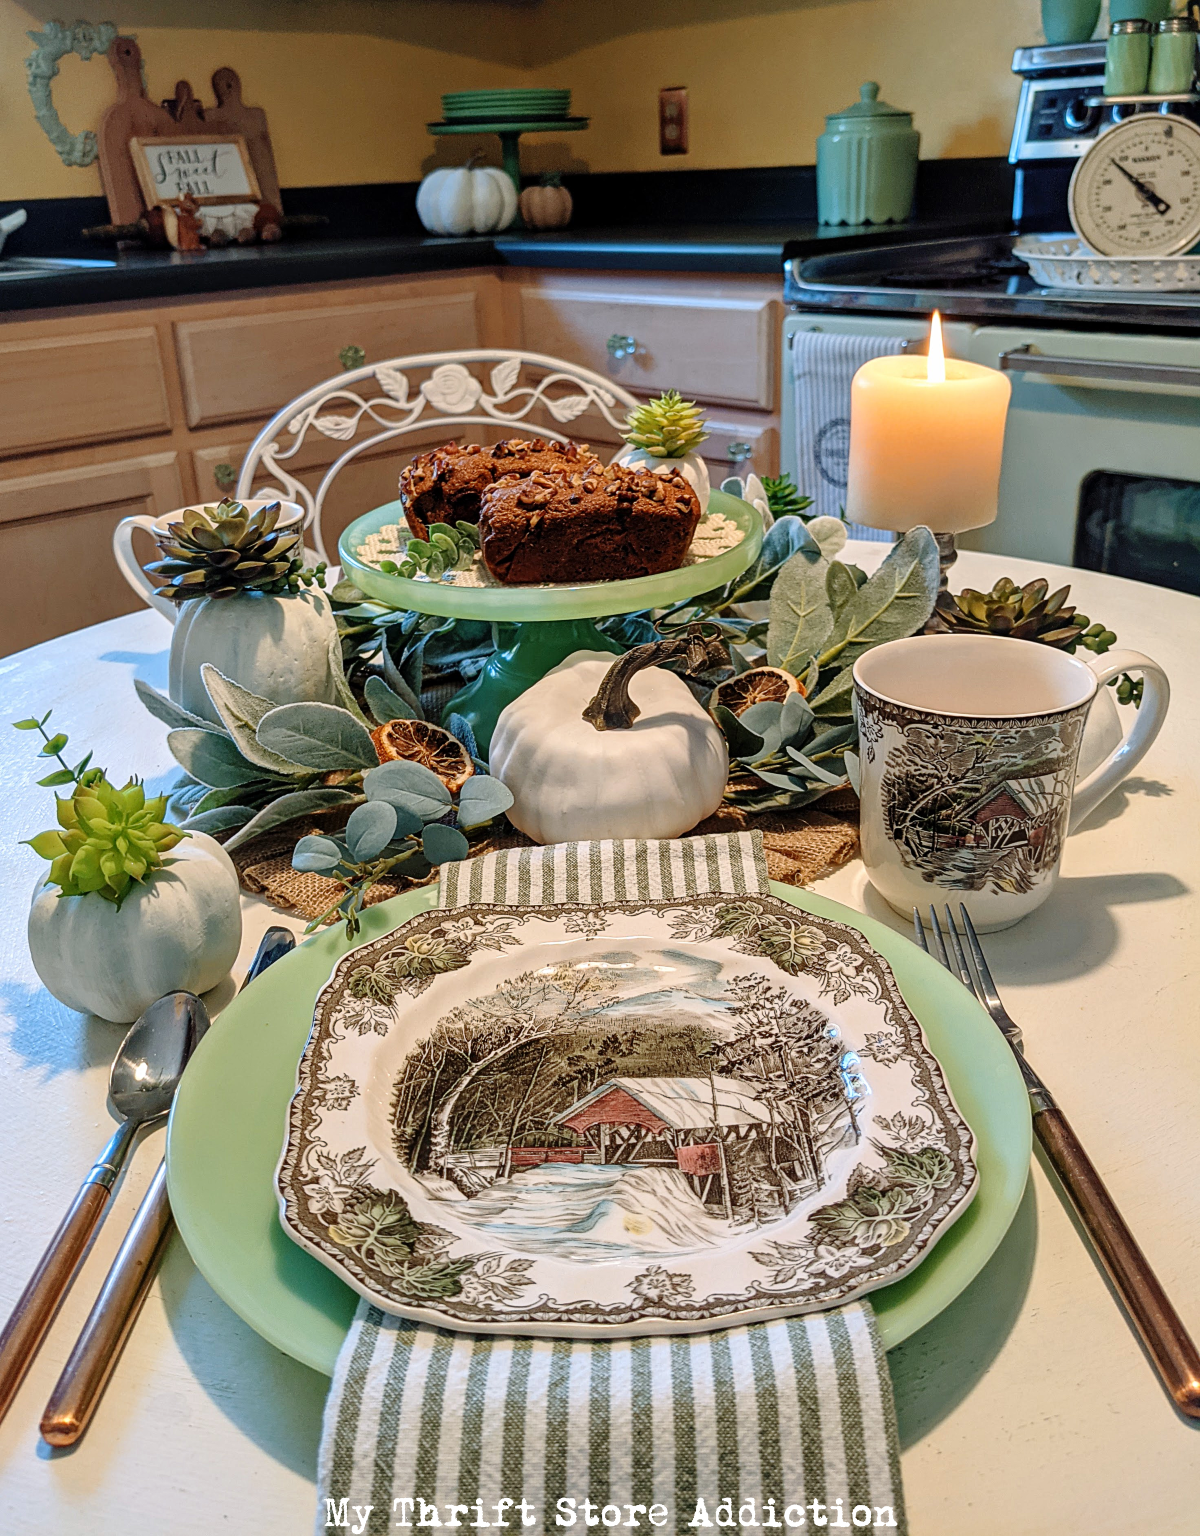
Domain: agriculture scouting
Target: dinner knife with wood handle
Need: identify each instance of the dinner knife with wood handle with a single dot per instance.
(83, 1379)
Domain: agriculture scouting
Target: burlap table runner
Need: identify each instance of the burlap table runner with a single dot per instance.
(801, 846)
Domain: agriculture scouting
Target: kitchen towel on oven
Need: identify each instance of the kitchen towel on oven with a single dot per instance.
(823, 365)
(795, 1411)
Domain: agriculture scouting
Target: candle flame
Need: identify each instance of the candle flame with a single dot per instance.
(935, 361)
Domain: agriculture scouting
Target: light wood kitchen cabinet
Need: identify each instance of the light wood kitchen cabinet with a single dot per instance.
(240, 367)
(712, 339)
(107, 410)
(57, 391)
(56, 533)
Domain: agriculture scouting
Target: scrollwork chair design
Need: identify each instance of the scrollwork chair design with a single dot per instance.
(485, 387)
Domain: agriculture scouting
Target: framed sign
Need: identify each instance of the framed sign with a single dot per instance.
(212, 168)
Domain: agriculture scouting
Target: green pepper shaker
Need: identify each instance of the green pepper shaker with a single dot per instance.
(1173, 61)
(1127, 59)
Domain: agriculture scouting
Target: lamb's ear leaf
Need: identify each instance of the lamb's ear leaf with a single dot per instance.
(399, 684)
(853, 770)
(318, 736)
(168, 711)
(385, 703)
(240, 711)
(795, 720)
(481, 799)
(743, 743)
(443, 845)
(344, 691)
(801, 618)
(836, 698)
(890, 605)
(211, 758)
(300, 802)
(222, 818)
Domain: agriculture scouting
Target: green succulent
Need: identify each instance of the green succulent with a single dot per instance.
(223, 550)
(446, 549)
(1031, 612)
(667, 428)
(784, 498)
(107, 839)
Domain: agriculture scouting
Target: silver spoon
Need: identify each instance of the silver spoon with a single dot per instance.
(77, 1392)
(141, 1085)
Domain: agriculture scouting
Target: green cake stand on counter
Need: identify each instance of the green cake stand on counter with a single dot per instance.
(541, 625)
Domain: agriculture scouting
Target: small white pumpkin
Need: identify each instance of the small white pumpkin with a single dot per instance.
(180, 929)
(466, 200)
(277, 647)
(656, 776)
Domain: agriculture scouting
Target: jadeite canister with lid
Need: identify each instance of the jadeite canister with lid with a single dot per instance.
(867, 163)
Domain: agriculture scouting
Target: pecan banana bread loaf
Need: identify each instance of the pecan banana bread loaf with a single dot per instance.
(602, 525)
(444, 486)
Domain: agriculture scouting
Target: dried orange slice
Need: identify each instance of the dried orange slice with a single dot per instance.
(419, 742)
(761, 685)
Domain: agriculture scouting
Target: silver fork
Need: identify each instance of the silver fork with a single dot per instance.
(1166, 1339)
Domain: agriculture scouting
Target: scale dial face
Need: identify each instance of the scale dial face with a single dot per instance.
(1136, 192)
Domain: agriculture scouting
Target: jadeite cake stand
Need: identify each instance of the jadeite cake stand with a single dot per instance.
(544, 625)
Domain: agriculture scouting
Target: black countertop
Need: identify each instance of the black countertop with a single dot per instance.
(651, 221)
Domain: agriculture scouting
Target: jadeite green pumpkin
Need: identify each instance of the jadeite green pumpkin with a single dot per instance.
(277, 647)
(180, 929)
(571, 781)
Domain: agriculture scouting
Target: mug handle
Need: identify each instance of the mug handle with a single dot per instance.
(131, 570)
(1125, 758)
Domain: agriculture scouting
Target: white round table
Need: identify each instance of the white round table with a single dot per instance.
(1025, 1408)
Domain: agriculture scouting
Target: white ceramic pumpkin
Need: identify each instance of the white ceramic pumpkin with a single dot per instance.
(656, 777)
(466, 200)
(691, 466)
(277, 647)
(180, 929)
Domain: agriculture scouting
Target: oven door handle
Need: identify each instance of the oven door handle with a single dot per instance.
(1025, 360)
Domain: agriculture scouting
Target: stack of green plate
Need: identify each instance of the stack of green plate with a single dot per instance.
(505, 106)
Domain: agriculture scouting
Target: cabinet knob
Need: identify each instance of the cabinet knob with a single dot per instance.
(738, 453)
(621, 347)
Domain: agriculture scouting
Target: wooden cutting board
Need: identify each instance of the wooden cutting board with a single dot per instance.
(134, 115)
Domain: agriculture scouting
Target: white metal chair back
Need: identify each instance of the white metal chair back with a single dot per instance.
(518, 387)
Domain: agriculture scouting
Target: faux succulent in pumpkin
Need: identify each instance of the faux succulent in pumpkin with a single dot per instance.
(664, 434)
(132, 906)
(246, 606)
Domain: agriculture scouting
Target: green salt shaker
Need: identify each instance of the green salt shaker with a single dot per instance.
(1127, 58)
(1173, 60)
(867, 163)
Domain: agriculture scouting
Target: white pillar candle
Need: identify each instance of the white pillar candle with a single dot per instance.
(926, 438)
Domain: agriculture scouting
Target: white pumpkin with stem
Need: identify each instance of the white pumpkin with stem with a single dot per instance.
(467, 199)
(179, 929)
(613, 749)
(664, 434)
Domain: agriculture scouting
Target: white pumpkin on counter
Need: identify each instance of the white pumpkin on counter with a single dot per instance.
(280, 648)
(466, 200)
(180, 929)
(654, 766)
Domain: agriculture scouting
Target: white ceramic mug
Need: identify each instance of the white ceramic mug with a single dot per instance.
(968, 747)
(290, 512)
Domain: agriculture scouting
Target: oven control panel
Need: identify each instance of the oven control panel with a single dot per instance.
(1054, 121)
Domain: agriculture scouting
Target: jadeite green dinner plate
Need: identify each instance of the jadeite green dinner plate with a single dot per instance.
(587, 600)
(226, 1133)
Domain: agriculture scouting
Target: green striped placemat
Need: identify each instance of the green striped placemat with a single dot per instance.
(787, 1424)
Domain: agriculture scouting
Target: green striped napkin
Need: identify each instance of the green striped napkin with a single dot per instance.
(787, 1424)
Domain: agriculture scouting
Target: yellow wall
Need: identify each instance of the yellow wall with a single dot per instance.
(351, 106)
(341, 108)
(760, 84)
